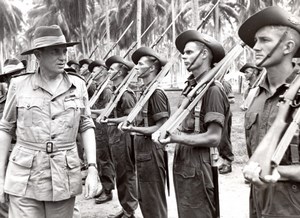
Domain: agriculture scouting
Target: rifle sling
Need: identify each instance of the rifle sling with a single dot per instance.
(294, 148)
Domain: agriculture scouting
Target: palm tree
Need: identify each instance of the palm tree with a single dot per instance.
(11, 20)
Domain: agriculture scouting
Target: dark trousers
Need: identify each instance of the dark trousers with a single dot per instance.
(104, 159)
(151, 174)
(225, 146)
(122, 154)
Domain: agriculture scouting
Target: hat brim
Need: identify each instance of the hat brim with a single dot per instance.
(271, 16)
(30, 51)
(94, 64)
(144, 51)
(249, 66)
(193, 35)
(5, 76)
(117, 59)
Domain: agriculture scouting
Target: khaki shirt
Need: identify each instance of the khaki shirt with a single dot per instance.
(39, 117)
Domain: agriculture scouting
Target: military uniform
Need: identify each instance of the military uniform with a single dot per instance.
(192, 170)
(150, 159)
(104, 159)
(44, 164)
(280, 198)
(121, 149)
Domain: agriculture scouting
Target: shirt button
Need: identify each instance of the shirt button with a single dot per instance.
(294, 187)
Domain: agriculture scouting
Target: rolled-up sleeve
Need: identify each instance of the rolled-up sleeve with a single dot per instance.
(159, 105)
(86, 121)
(9, 118)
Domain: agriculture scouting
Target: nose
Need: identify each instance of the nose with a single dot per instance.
(256, 46)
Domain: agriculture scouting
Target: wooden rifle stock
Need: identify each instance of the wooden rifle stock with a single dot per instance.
(266, 148)
(286, 140)
(150, 89)
(118, 93)
(196, 94)
(98, 91)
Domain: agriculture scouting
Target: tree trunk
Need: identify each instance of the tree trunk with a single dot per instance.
(217, 23)
(174, 71)
(139, 23)
(195, 13)
(107, 24)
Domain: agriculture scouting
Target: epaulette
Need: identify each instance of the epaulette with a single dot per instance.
(23, 74)
(76, 74)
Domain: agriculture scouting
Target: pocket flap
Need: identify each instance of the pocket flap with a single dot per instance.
(143, 157)
(28, 102)
(21, 158)
(250, 119)
(72, 159)
(185, 171)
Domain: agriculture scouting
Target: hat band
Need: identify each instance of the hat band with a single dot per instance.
(48, 40)
(9, 68)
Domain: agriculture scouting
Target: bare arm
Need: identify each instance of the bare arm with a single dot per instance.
(146, 130)
(289, 172)
(210, 138)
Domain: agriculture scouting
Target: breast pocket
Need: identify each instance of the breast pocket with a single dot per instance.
(30, 111)
(73, 107)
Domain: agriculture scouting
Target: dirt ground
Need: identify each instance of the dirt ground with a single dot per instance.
(234, 193)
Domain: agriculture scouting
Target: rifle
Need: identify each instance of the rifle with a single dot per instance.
(97, 45)
(196, 94)
(117, 94)
(252, 93)
(98, 91)
(135, 43)
(159, 77)
(116, 43)
(268, 154)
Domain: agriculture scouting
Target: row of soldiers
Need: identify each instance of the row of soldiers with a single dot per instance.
(46, 110)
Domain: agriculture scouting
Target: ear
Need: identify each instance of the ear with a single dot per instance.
(289, 47)
(205, 53)
(37, 54)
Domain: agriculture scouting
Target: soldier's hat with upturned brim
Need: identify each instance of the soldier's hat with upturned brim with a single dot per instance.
(11, 67)
(249, 65)
(85, 61)
(271, 16)
(70, 62)
(96, 63)
(48, 36)
(118, 59)
(145, 51)
(193, 35)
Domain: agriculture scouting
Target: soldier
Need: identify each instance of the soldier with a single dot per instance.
(73, 64)
(120, 143)
(83, 67)
(274, 35)
(251, 73)
(201, 130)
(104, 161)
(45, 110)
(151, 160)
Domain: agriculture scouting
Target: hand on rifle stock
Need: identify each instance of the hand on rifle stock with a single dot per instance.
(252, 173)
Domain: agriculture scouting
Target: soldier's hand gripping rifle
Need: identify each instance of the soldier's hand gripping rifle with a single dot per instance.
(271, 149)
(159, 77)
(196, 94)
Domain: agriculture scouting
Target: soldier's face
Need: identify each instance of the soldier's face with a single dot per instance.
(53, 59)
(266, 39)
(142, 67)
(83, 68)
(191, 58)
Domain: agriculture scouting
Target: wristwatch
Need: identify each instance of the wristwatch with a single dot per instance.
(93, 165)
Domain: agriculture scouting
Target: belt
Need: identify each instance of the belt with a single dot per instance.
(48, 147)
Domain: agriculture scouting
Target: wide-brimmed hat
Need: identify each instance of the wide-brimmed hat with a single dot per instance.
(145, 51)
(118, 59)
(96, 63)
(193, 35)
(85, 61)
(271, 16)
(11, 67)
(46, 36)
(249, 65)
(70, 62)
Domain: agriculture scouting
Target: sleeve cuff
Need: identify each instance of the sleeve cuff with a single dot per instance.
(214, 117)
